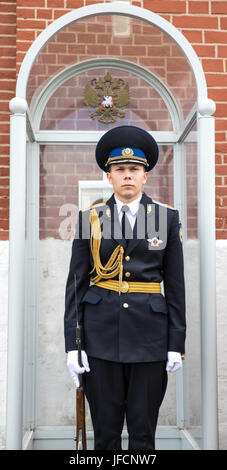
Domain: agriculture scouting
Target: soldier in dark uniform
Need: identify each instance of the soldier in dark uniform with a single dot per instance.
(132, 334)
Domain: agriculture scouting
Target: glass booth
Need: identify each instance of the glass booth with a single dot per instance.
(158, 84)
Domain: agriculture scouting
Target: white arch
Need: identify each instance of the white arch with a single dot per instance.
(112, 8)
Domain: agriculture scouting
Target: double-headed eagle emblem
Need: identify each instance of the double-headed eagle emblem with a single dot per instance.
(108, 97)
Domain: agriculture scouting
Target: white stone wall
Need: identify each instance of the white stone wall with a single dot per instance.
(55, 396)
(4, 245)
(221, 283)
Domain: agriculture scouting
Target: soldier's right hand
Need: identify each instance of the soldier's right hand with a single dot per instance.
(73, 365)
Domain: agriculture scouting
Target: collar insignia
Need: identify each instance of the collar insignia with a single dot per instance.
(108, 212)
(149, 208)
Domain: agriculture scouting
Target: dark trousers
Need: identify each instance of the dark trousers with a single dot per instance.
(116, 390)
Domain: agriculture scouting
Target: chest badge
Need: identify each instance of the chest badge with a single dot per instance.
(154, 242)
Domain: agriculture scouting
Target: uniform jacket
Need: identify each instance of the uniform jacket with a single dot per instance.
(130, 327)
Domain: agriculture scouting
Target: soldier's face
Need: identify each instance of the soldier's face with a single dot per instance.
(127, 180)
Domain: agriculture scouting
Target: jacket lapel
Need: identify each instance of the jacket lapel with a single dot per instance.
(112, 225)
(140, 228)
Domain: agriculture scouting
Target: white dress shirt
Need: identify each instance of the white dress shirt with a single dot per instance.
(132, 212)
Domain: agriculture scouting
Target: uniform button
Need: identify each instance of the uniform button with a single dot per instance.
(125, 305)
(127, 258)
(127, 274)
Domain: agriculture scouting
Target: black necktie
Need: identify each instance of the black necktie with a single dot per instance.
(125, 224)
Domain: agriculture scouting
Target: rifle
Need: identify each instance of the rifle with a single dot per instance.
(80, 399)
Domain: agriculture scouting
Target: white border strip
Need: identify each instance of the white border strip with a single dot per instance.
(92, 137)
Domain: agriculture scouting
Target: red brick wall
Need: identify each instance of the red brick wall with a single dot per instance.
(7, 92)
(204, 23)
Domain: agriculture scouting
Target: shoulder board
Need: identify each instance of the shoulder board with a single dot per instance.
(94, 205)
(164, 205)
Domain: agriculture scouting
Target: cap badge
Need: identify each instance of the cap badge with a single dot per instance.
(127, 152)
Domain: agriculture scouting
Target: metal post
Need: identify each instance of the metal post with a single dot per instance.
(206, 206)
(180, 203)
(14, 411)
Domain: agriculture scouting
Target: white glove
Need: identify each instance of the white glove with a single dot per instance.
(73, 365)
(174, 361)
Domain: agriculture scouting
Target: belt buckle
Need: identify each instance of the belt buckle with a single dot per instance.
(124, 287)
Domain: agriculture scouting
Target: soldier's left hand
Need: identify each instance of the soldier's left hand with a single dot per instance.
(174, 361)
(74, 367)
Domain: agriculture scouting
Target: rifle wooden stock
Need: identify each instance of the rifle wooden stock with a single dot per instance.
(80, 401)
(81, 443)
